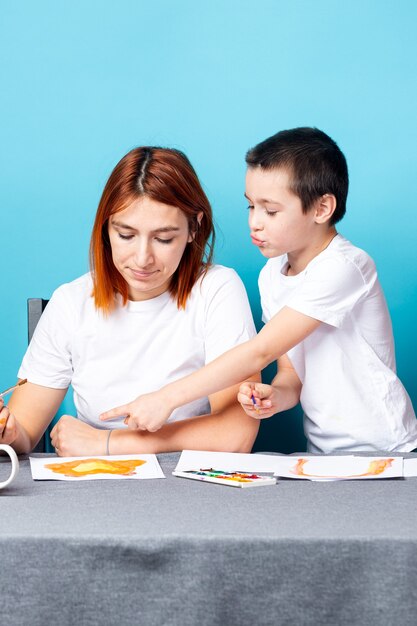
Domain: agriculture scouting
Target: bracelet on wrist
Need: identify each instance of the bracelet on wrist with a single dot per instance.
(107, 443)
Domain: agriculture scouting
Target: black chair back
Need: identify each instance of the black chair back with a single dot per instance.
(36, 307)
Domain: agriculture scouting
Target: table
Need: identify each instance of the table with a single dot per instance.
(181, 552)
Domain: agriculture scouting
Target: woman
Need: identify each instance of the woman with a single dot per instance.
(152, 310)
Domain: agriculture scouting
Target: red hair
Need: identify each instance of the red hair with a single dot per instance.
(167, 176)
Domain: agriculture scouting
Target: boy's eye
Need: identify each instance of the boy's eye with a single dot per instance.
(270, 212)
(250, 206)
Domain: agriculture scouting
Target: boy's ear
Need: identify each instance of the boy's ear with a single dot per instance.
(325, 207)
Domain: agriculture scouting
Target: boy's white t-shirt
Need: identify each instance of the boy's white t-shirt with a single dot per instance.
(138, 348)
(351, 396)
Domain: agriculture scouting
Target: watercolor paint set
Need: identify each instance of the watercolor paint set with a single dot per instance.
(230, 479)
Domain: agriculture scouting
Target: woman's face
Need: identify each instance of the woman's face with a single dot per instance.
(147, 240)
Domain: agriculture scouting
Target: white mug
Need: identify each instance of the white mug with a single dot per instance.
(15, 464)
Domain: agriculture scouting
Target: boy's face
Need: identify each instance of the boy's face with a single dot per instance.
(276, 220)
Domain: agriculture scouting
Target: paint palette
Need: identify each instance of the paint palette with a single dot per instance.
(230, 479)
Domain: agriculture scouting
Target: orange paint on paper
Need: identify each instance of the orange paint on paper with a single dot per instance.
(87, 467)
(375, 468)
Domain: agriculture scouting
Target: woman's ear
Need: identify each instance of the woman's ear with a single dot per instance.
(194, 226)
(326, 206)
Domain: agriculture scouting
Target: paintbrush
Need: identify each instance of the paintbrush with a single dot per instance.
(254, 403)
(6, 391)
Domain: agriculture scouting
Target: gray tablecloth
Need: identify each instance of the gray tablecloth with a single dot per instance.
(180, 552)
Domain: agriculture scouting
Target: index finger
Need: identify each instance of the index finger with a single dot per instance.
(120, 411)
(244, 399)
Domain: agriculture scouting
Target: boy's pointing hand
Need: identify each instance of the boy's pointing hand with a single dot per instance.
(147, 412)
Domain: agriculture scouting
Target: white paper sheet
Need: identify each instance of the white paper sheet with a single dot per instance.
(339, 467)
(123, 467)
(316, 467)
(227, 461)
(410, 468)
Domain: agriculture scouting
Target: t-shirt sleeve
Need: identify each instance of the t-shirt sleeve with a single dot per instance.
(228, 317)
(331, 289)
(48, 360)
(263, 281)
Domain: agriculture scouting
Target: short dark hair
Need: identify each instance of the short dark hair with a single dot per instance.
(315, 162)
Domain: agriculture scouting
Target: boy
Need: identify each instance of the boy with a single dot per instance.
(326, 318)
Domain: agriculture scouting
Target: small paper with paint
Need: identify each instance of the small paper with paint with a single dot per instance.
(228, 479)
(127, 466)
(327, 468)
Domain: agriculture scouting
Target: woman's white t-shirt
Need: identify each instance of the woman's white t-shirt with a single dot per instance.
(351, 396)
(138, 348)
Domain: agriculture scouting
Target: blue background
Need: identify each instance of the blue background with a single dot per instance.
(83, 82)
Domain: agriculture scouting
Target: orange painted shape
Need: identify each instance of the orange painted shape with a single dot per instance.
(375, 468)
(88, 467)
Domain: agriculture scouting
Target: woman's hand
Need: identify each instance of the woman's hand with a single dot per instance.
(258, 400)
(8, 425)
(147, 412)
(72, 437)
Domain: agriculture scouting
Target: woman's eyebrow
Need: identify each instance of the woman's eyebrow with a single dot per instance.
(162, 229)
(166, 229)
(121, 225)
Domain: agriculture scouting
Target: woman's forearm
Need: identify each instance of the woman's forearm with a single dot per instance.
(22, 444)
(228, 430)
